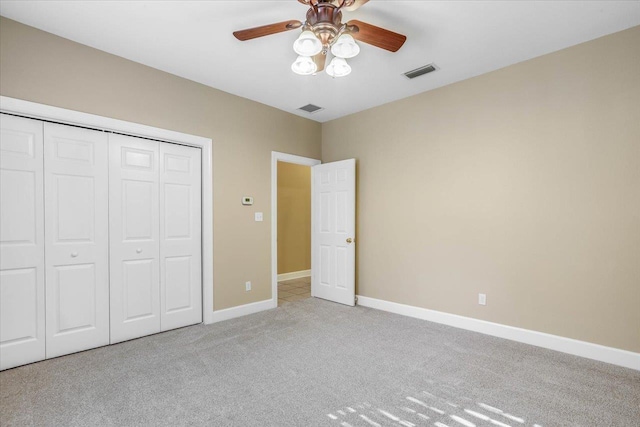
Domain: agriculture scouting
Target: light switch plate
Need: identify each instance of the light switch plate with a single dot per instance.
(482, 299)
(258, 216)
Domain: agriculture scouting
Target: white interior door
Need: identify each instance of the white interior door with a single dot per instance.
(22, 299)
(76, 166)
(333, 219)
(180, 236)
(134, 232)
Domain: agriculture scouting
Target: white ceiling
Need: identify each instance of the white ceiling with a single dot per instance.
(193, 39)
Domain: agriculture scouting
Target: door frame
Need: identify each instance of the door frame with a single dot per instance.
(34, 110)
(275, 158)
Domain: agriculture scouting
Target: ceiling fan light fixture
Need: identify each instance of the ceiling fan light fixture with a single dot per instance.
(304, 66)
(323, 32)
(345, 47)
(307, 44)
(338, 67)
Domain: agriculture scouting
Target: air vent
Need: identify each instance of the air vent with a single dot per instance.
(310, 108)
(421, 71)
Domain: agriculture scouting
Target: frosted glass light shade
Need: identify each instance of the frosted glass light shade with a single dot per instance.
(304, 65)
(307, 44)
(338, 67)
(345, 47)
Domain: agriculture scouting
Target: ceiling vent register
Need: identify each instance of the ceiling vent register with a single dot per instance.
(426, 69)
(310, 108)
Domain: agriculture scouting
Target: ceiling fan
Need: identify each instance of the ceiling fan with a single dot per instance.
(323, 32)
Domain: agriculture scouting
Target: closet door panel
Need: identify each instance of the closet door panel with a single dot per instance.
(133, 207)
(22, 292)
(77, 239)
(180, 234)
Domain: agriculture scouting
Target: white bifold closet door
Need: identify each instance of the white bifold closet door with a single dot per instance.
(100, 238)
(76, 238)
(180, 236)
(22, 299)
(155, 234)
(135, 241)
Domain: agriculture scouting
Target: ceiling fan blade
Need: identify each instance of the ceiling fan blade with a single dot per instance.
(356, 4)
(265, 30)
(320, 60)
(376, 36)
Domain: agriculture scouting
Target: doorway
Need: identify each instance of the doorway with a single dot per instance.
(291, 227)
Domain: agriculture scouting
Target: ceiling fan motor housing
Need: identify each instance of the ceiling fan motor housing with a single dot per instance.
(325, 20)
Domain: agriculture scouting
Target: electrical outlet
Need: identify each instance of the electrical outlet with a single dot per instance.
(482, 299)
(247, 286)
(258, 216)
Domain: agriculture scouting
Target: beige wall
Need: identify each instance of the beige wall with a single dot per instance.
(47, 69)
(294, 217)
(523, 184)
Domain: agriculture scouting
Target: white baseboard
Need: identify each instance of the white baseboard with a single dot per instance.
(615, 356)
(294, 275)
(243, 310)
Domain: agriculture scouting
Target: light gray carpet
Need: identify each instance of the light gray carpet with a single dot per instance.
(316, 363)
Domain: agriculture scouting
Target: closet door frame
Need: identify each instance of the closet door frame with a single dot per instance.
(60, 115)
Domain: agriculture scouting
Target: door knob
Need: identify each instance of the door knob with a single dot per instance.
(74, 254)
(138, 250)
(349, 240)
